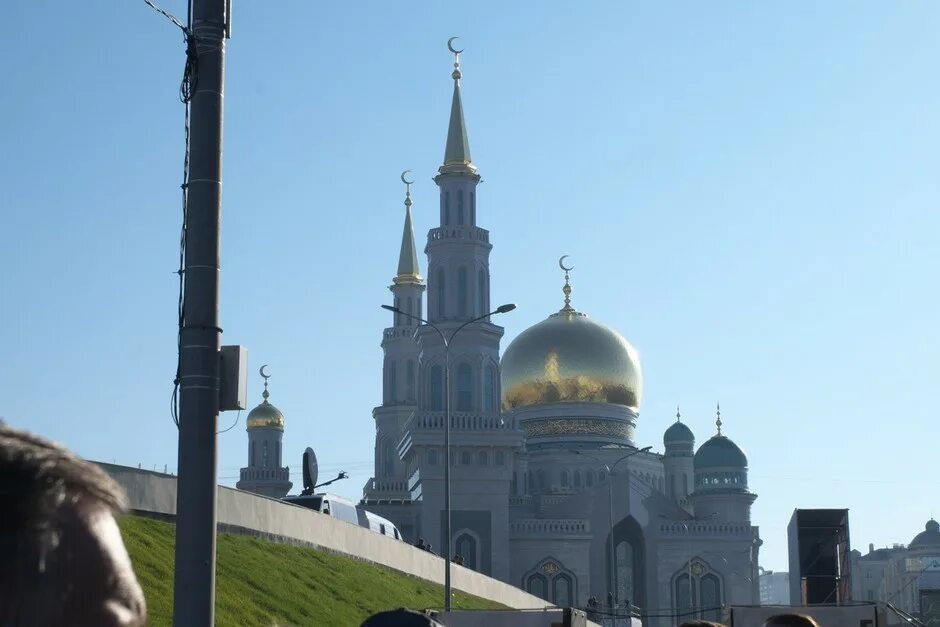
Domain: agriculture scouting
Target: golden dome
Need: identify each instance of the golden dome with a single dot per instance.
(265, 415)
(570, 358)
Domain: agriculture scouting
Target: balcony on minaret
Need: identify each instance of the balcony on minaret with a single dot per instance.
(386, 490)
(459, 232)
(257, 473)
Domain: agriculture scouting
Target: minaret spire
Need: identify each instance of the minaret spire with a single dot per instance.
(718, 417)
(408, 271)
(265, 376)
(566, 290)
(457, 152)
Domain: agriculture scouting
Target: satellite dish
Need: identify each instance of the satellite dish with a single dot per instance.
(310, 471)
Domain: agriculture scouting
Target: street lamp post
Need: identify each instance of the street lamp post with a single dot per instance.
(610, 514)
(446, 341)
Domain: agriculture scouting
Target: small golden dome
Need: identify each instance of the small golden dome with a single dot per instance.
(570, 358)
(265, 415)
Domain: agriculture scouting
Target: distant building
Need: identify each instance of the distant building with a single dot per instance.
(264, 474)
(774, 588)
(908, 577)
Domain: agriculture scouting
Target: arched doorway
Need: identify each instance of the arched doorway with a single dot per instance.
(629, 561)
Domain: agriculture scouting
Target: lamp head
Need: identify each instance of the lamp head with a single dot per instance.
(505, 308)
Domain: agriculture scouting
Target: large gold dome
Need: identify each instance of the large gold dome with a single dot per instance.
(570, 358)
(265, 415)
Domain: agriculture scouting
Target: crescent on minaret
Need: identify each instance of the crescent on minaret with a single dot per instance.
(450, 45)
(263, 373)
(561, 264)
(404, 180)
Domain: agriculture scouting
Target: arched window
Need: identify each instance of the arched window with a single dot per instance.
(462, 291)
(481, 292)
(577, 478)
(441, 309)
(589, 478)
(388, 461)
(482, 458)
(711, 597)
(410, 309)
(564, 478)
(540, 478)
(466, 547)
(277, 454)
(460, 216)
(561, 591)
(489, 388)
(410, 381)
(473, 208)
(392, 382)
(446, 208)
(500, 458)
(537, 586)
(264, 454)
(466, 458)
(684, 599)
(252, 460)
(432, 457)
(602, 476)
(436, 385)
(464, 387)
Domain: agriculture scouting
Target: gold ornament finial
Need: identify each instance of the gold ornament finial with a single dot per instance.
(408, 185)
(718, 417)
(567, 288)
(450, 46)
(265, 376)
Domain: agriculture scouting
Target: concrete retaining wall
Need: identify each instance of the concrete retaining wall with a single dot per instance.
(153, 493)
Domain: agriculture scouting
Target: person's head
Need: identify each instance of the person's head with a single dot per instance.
(64, 560)
(790, 620)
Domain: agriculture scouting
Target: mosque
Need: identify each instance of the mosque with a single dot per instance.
(550, 490)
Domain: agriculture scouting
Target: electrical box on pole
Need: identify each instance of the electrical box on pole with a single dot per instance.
(233, 378)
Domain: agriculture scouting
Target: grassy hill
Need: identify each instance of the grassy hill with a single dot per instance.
(262, 583)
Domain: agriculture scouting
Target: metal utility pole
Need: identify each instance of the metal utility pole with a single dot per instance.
(194, 582)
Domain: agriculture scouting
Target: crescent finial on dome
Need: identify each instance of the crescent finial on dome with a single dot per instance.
(718, 417)
(567, 288)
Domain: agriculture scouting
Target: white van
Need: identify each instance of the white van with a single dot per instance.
(346, 510)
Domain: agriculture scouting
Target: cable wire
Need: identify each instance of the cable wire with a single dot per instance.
(186, 90)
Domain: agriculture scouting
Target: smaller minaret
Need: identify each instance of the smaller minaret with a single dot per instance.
(264, 474)
(680, 444)
(401, 351)
(407, 285)
(721, 490)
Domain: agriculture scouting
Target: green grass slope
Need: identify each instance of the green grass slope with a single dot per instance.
(262, 583)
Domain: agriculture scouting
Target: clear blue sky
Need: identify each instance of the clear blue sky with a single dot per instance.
(748, 192)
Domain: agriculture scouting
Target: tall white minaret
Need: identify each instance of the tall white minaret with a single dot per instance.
(400, 366)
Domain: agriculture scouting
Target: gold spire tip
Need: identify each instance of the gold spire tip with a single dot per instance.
(567, 288)
(408, 185)
(264, 376)
(450, 46)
